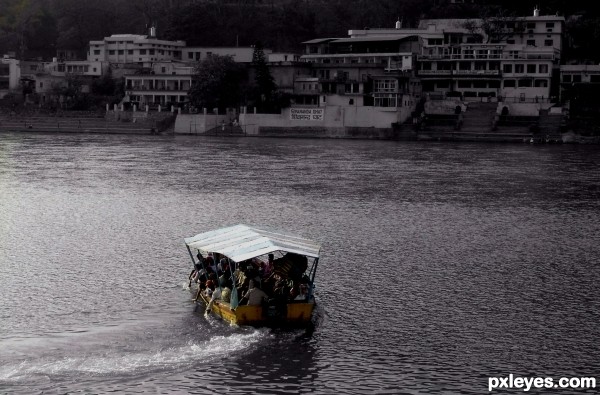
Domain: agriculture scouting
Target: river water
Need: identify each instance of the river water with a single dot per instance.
(442, 264)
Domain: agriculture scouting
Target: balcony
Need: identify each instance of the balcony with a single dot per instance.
(469, 73)
(461, 56)
(476, 72)
(435, 72)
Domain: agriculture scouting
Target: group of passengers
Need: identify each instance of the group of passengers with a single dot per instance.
(256, 281)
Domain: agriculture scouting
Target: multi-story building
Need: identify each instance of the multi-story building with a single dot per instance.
(166, 84)
(132, 48)
(579, 87)
(239, 54)
(514, 60)
(10, 73)
(369, 68)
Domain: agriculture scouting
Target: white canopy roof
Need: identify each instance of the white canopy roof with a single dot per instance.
(241, 242)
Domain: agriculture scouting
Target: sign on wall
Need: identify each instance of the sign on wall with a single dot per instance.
(306, 114)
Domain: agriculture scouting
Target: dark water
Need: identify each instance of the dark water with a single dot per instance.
(442, 264)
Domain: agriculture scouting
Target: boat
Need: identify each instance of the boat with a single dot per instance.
(242, 248)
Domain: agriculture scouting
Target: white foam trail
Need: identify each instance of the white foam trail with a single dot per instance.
(205, 351)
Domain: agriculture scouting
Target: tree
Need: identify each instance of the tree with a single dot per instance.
(265, 85)
(495, 26)
(18, 20)
(217, 83)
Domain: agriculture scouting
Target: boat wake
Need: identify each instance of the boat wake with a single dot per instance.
(117, 361)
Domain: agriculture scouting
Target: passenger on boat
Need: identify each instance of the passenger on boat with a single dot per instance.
(301, 292)
(210, 262)
(208, 290)
(254, 296)
(268, 267)
(194, 274)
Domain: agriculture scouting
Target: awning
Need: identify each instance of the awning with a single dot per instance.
(241, 242)
(375, 38)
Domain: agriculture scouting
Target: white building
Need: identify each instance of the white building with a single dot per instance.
(132, 48)
(239, 54)
(10, 73)
(166, 84)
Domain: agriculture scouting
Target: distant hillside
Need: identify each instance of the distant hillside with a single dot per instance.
(39, 27)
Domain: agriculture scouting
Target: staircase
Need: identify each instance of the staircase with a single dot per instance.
(72, 123)
(478, 117)
(228, 130)
(549, 126)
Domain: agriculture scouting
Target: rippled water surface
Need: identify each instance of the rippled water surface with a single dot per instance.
(442, 264)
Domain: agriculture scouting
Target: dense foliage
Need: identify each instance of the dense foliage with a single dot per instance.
(34, 28)
(217, 83)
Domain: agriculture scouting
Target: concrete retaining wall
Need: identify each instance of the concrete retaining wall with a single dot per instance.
(336, 122)
(198, 123)
(443, 107)
(520, 109)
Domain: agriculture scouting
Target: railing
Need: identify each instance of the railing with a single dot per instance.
(463, 56)
(520, 99)
(435, 72)
(476, 72)
(460, 72)
(158, 89)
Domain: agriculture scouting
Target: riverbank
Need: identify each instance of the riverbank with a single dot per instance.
(282, 125)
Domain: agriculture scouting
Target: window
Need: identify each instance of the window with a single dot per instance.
(142, 52)
(595, 78)
(385, 85)
(96, 52)
(494, 84)
(389, 101)
(121, 52)
(577, 78)
(531, 25)
(531, 43)
(567, 78)
(549, 24)
(190, 55)
(351, 101)
(507, 68)
(163, 70)
(509, 83)
(519, 68)
(464, 84)
(541, 83)
(41, 84)
(111, 52)
(549, 43)
(543, 69)
(130, 51)
(531, 69)
(464, 66)
(510, 41)
(480, 84)
(525, 83)
(151, 52)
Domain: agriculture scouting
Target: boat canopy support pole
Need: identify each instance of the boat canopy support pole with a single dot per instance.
(313, 271)
(191, 256)
(233, 299)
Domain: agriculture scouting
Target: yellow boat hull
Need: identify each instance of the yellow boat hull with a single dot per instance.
(296, 314)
